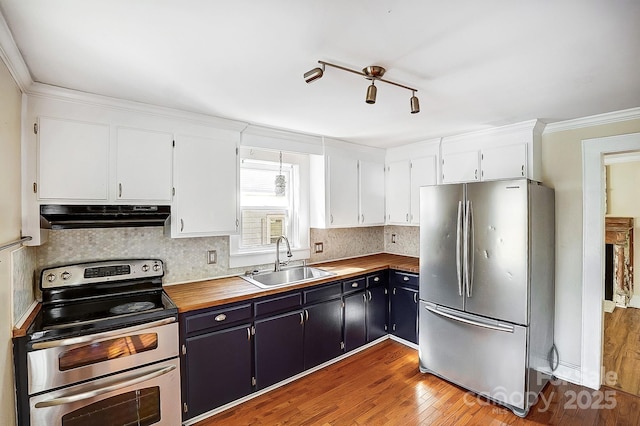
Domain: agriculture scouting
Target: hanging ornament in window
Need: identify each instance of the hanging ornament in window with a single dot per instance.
(280, 180)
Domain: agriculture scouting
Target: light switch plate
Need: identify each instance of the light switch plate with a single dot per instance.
(318, 247)
(393, 238)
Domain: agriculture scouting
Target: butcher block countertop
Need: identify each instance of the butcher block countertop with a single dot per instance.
(220, 291)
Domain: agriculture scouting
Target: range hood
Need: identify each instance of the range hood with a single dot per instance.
(63, 216)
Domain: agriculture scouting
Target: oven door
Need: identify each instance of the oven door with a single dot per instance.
(52, 364)
(148, 395)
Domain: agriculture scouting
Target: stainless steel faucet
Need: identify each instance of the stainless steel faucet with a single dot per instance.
(289, 254)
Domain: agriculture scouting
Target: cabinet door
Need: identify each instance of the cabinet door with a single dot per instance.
(398, 195)
(279, 348)
(355, 332)
(343, 190)
(206, 172)
(504, 162)
(322, 332)
(371, 193)
(424, 171)
(218, 369)
(404, 313)
(73, 160)
(377, 312)
(143, 165)
(461, 167)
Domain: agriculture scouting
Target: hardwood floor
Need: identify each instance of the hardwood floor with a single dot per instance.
(382, 386)
(621, 351)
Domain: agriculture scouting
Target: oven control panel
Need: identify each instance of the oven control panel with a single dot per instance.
(96, 272)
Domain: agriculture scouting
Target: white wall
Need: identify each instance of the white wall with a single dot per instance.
(10, 107)
(562, 170)
(623, 181)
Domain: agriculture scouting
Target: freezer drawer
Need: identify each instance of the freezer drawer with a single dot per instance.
(487, 357)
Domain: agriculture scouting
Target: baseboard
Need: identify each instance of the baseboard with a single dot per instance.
(635, 301)
(608, 306)
(404, 342)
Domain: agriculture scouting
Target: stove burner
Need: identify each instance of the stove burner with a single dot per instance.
(131, 307)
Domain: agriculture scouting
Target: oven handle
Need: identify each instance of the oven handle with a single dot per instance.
(100, 336)
(96, 392)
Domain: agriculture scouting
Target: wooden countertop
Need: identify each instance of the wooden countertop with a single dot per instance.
(220, 291)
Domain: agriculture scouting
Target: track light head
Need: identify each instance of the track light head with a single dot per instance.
(314, 74)
(372, 91)
(415, 104)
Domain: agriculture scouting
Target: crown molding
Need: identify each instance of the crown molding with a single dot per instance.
(11, 56)
(594, 120)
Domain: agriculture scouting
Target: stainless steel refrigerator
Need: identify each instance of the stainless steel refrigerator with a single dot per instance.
(487, 288)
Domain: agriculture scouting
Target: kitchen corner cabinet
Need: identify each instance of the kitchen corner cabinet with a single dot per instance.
(403, 300)
(403, 181)
(347, 187)
(206, 186)
(365, 309)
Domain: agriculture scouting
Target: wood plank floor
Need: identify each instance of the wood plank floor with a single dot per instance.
(621, 351)
(382, 386)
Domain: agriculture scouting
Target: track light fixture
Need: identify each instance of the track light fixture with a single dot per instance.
(373, 73)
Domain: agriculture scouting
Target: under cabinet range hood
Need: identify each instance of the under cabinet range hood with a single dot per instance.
(66, 216)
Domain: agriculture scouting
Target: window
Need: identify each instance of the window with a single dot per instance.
(265, 215)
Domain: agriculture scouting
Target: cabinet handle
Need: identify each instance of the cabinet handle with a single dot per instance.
(405, 278)
(364, 297)
(306, 315)
(476, 174)
(181, 225)
(407, 218)
(394, 291)
(120, 190)
(354, 285)
(415, 297)
(331, 218)
(362, 218)
(248, 333)
(376, 279)
(523, 170)
(301, 318)
(220, 317)
(369, 295)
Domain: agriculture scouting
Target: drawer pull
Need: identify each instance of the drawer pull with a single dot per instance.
(376, 279)
(405, 278)
(220, 317)
(354, 285)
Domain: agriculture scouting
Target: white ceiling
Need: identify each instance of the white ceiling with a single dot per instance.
(476, 64)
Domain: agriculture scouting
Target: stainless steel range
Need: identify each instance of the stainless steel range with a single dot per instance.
(103, 350)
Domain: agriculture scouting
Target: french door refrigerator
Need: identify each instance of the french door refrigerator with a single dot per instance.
(487, 288)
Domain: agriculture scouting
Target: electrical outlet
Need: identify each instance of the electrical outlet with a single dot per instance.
(319, 247)
(212, 257)
(393, 238)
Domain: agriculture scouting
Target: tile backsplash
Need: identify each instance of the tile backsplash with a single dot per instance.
(186, 258)
(23, 264)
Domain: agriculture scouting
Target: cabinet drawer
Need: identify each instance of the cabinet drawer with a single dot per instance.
(404, 279)
(353, 285)
(278, 304)
(321, 294)
(217, 318)
(379, 278)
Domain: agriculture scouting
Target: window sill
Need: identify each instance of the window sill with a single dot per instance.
(253, 258)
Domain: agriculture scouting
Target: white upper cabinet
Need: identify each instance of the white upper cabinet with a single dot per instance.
(143, 165)
(503, 153)
(424, 171)
(408, 168)
(398, 192)
(73, 160)
(347, 186)
(371, 192)
(206, 182)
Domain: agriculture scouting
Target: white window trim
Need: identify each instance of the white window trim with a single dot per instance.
(253, 257)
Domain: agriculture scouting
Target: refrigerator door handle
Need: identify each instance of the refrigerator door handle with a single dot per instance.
(459, 248)
(497, 327)
(470, 263)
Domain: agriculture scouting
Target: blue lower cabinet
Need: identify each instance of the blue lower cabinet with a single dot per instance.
(322, 332)
(355, 323)
(218, 368)
(404, 313)
(278, 348)
(377, 312)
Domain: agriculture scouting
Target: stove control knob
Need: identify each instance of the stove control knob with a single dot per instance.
(156, 267)
(145, 267)
(51, 277)
(65, 275)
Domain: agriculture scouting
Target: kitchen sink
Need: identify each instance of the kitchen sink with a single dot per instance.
(287, 276)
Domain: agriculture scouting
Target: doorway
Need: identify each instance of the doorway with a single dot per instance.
(593, 151)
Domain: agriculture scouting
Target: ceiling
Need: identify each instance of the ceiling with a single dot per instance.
(476, 64)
